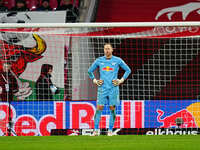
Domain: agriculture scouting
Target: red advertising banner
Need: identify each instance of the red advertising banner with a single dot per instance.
(142, 10)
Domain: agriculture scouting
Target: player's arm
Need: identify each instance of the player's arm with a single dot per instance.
(92, 68)
(127, 70)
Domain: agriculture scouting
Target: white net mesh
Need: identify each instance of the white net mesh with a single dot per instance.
(163, 85)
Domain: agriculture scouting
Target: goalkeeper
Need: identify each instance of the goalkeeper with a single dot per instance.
(108, 85)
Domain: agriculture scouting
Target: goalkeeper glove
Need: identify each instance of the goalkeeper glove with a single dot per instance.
(98, 82)
(117, 82)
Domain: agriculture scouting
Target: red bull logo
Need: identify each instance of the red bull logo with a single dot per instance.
(107, 68)
(25, 54)
(82, 115)
(28, 125)
(189, 117)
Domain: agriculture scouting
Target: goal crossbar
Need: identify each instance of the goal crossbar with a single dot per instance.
(97, 24)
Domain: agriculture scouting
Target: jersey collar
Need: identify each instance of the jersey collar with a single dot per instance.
(109, 58)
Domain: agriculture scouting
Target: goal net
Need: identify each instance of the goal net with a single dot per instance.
(47, 85)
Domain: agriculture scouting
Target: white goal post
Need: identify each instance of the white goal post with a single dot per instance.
(165, 80)
(101, 24)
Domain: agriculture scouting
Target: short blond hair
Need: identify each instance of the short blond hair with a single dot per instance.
(108, 44)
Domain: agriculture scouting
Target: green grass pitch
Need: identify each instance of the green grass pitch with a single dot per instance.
(121, 142)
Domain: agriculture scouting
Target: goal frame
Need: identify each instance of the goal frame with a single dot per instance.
(99, 24)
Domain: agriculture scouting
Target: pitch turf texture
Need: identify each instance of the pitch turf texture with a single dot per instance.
(122, 142)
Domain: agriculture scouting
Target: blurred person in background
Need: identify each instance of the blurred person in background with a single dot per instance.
(72, 12)
(45, 89)
(2, 7)
(8, 83)
(20, 6)
(45, 6)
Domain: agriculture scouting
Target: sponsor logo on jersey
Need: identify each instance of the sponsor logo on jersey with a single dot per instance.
(107, 68)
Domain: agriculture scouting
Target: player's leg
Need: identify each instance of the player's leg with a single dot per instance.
(101, 99)
(97, 119)
(111, 120)
(113, 102)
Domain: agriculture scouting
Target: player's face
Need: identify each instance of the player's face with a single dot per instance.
(108, 50)
(50, 71)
